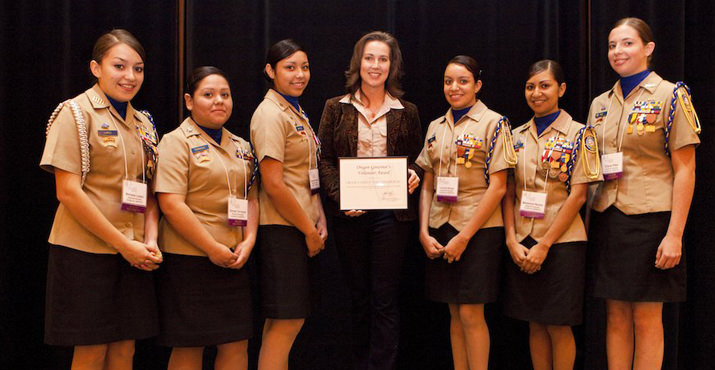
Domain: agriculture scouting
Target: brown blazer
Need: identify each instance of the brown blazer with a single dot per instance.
(338, 134)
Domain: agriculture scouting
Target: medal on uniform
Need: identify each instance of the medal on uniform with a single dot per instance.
(612, 165)
(467, 145)
(134, 195)
(533, 204)
(237, 211)
(447, 189)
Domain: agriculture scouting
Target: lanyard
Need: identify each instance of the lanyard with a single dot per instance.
(546, 177)
(225, 169)
(620, 139)
(124, 148)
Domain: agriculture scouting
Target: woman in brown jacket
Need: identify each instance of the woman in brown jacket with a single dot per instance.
(371, 120)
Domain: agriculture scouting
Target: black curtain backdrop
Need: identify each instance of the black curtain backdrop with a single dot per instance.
(46, 47)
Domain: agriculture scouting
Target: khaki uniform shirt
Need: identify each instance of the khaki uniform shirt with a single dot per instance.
(280, 132)
(372, 133)
(647, 182)
(194, 165)
(111, 140)
(438, 157)
(534, 172)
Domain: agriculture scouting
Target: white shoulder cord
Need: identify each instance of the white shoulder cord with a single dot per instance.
(81, 132)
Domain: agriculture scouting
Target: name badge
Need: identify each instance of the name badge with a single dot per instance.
(133, 196)
(237, 211)
(314, 176)
(612, 164)
(447, 188)
(533, 204)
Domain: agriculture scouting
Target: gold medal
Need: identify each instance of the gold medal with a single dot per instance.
(460, 160)
(649, 128)
(630, 129)
(468, 164)
(640, 128)
(563, 177)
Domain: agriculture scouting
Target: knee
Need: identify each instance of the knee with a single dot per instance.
(91, 357)
(646, 321)
(233, 349)
(559, 331)
(537, 328)
(122, 349)
(290, 327)
(472, 316)
(619, 315)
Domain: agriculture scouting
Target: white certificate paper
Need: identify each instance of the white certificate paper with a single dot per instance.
(373, 183)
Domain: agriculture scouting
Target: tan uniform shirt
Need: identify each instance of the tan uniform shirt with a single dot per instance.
(111, 140)
(536, 170)
(372, 132)
(438, 157)
(647, 181)
(194, 165)
(280, 132)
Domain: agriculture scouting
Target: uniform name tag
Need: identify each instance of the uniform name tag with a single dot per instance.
(612, 165)
(533, 204)
(314, 176)
(237, 211)
(447, 188)
(133, 196)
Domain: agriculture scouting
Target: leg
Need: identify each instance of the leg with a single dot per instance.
(352, 246)
(388, 242)
(476, 335)
(456, 334)
(563, 346)
(120, 355)
(619, 335)
(278, 338)
(186, 358)
(89, 357)
(648, 322)
(232, 356)
(540, 346)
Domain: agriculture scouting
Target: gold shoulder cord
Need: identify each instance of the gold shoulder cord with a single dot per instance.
(589, 136)
(508, 142)
(688, 109)
(81, 132)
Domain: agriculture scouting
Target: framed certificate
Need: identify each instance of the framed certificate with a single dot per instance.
(373, 183)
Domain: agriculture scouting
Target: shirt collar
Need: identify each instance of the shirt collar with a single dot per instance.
(390, 101)
(476, 113)
(649, 83)
(99, 101)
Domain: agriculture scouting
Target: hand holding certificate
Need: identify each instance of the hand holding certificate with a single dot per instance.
(373, 183)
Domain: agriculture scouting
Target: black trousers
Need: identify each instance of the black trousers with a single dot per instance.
(371, 249)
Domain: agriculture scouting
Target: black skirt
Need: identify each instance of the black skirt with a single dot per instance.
(287, 276)
(552, 295)
(475, 277)
(201, 304)
(625, 247)
(96, 299)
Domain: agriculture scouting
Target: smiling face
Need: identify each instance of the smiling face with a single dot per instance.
(375, 65)
(120, 73)
(291, 75)
(211, 104)
(542, 93)
(460, 89)
(627, 53)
